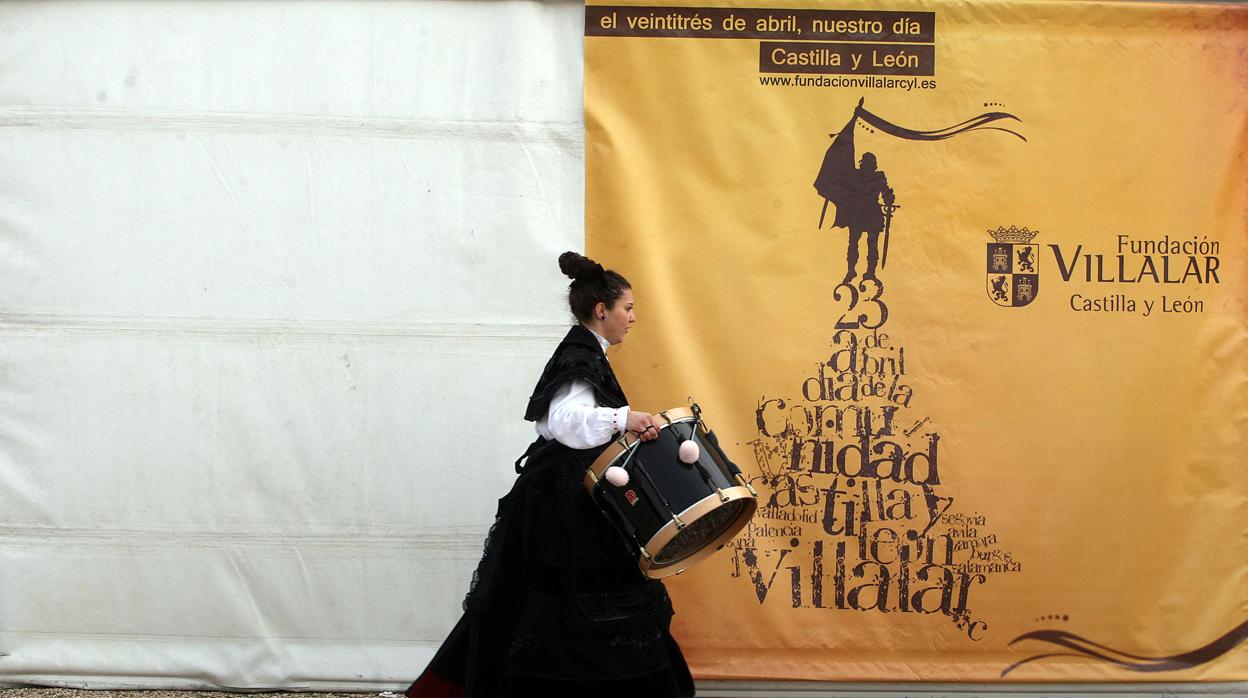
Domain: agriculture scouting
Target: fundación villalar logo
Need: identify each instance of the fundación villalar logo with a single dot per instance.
(1013, 267)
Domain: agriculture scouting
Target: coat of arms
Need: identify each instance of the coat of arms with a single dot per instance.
(1013, 267)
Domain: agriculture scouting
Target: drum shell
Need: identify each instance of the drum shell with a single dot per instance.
(665, 499)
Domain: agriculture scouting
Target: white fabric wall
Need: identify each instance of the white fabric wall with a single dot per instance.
(276, 279)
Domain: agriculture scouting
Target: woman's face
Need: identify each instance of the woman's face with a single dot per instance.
(618, 318)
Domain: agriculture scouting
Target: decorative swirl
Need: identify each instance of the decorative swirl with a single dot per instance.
(1084, 647)
(977, 123)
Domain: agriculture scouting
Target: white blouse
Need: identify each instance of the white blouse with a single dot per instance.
(574, 418)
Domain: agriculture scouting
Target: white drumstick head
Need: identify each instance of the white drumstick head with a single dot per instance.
(617, 476)
(689, 452)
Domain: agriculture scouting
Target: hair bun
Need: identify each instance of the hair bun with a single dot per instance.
(579, 267)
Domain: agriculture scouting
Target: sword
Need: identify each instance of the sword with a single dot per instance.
(888, 220)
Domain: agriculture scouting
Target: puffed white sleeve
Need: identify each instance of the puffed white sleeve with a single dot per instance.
(575, 420)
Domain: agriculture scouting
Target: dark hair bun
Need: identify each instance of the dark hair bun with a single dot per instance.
(591, 285)
(579, 267)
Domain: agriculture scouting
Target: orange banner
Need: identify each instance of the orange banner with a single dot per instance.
(962, 290)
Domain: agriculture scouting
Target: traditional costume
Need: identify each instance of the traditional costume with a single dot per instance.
(558, 606)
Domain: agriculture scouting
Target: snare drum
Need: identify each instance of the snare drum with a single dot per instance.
(677, 513)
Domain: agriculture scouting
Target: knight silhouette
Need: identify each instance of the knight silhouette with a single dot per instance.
(862, 212)
(859, 194)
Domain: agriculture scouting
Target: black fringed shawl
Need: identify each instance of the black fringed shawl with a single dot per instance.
(578, 357)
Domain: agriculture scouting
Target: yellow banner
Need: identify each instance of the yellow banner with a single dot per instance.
(962, 290)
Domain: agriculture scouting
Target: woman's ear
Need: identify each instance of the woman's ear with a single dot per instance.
(600, 311)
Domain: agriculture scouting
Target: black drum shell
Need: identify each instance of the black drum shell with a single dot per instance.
(673, 511)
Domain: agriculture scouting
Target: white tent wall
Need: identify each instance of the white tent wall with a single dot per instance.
(275, 281)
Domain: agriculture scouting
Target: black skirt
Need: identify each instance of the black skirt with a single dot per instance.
(558, 606)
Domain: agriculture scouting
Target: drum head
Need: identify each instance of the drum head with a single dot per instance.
(711, 523)
(702, 533)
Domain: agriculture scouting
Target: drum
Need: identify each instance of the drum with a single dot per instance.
(677, 513)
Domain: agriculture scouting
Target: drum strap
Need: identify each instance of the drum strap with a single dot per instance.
(539, 444)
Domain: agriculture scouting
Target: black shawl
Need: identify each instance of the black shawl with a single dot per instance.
(578, 357)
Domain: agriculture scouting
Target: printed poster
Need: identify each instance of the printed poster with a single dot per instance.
(961, 288)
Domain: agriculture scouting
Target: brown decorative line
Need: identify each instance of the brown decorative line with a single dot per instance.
(1084, 647)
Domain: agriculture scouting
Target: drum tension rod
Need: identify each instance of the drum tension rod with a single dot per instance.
(654, 488)
(622, 524)
(746, 483)
(706, 476)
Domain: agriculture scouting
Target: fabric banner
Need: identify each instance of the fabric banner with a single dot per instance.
(962, 290)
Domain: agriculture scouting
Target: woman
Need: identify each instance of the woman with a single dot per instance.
(558, 606)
